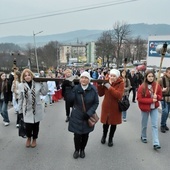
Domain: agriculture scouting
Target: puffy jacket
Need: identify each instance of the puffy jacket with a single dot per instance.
(144, 102)
(77, 123)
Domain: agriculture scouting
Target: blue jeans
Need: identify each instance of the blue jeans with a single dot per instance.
(154, 123)
(165, 112)
(4, 111)
(124, 113)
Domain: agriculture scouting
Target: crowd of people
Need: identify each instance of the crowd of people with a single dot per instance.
(27, 96)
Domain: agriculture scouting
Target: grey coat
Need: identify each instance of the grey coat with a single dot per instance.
(25, 104)
(77, 123)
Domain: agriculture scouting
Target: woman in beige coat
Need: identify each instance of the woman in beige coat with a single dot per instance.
(30, 105)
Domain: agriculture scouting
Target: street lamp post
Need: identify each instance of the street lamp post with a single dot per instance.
(35, 49)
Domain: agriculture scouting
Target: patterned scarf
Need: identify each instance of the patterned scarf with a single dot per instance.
(33, 98)
(26, 97)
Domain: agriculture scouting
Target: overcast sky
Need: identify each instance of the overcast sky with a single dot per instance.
(129, 11)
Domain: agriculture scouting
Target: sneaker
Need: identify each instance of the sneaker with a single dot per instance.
(17, 125)
(163, 130)
(144, 140)
(124, 120)
(6, 123)
(166, 128)
(155, 147)
(50, 104)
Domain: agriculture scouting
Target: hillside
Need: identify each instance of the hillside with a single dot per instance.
(144, 30)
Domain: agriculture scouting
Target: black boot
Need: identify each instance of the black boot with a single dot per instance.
(76, 154)
(105, 130)
(103, 140)
(110, 142)
(111, 134)
(82, 154)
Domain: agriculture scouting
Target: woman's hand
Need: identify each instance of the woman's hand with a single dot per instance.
(154, 100)
(155, 96)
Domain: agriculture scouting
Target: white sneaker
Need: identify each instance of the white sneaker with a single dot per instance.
(124, 120)
(17, 125)
(6, 123)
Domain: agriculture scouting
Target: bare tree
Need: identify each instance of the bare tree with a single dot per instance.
(140, 46)
(105, 47)
(121, 31)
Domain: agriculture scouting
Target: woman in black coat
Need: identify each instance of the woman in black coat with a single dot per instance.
(78, 121)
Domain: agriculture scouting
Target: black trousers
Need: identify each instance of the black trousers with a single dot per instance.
(67, 107)
(134, 93)
(112, 130)
(32, 130)
(80, 141)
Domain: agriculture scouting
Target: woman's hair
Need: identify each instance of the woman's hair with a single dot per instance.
(23, 74)
(19, 75)
(5, 84)
(68, 71)
(126, 77)
(145, 82)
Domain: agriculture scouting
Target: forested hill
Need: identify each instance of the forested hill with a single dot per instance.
(142, 30)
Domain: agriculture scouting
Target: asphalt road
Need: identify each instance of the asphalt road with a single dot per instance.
(55, 146)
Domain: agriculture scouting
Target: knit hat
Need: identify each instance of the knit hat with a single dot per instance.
(115, 72)
(85, 74)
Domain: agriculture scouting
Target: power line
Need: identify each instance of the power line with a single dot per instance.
(73, 10)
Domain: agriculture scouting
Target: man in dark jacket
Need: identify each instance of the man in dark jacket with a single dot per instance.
(133, 80)
(165, 84)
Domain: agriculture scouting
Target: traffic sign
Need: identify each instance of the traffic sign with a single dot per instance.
(152, 48)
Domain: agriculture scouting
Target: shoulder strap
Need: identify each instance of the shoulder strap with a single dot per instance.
(84, 108)
(164, 81)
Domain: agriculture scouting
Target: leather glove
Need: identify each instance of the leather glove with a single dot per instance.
(107, 85)
(86, 116)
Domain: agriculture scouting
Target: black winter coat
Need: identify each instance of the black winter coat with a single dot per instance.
(77, 123)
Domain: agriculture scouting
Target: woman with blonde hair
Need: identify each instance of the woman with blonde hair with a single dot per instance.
(30, 105)
(67, 86)
(15, 94)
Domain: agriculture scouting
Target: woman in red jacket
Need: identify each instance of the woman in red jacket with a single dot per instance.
(110, 113)
(148, 97)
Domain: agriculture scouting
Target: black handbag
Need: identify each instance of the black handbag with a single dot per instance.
(124, 103)
(22, 128)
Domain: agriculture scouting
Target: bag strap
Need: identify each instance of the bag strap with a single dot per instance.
(164, 82)
(84, 108)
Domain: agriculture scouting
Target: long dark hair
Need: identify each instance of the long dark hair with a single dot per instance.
(125, 78)
(145, 82)
(5, 84)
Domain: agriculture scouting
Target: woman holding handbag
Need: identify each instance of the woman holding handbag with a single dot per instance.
(148, 101)
(110, 113)
(85, 102)
(126, 91)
